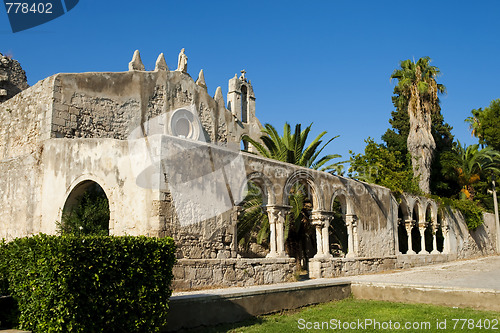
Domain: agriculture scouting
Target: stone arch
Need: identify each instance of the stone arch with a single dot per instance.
(429, 228)
(78, 188)
(402, 219)
(440, 219)
(303, 177)
(264, 184)
(415, 232)
(340, 229)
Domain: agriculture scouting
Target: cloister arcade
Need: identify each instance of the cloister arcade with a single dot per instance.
(416, 226)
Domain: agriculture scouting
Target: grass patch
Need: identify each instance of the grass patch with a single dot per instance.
(350, 310)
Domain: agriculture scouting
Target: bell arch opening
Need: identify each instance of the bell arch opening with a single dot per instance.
(86, 211)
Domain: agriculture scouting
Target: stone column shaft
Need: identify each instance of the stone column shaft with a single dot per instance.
(421, 229)
(321, 220)
(326, 238)
(434, 239)
(319, 241)
(277, 233)
(272, 241)
(350, 221)
(408, 227)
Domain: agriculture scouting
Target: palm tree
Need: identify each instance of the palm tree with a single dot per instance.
(474, 123)
(470, 163)
(417, 92)
(253, 223)
(291, 148)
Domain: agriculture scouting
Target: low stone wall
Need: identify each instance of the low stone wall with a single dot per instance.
(192, 274)
(335, 267)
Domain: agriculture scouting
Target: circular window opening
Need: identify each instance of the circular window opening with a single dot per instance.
(183, 127)
(185, 124)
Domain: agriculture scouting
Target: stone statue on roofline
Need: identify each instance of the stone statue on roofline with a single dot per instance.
(182, 64)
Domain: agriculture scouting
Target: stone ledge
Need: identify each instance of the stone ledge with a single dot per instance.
(211, 307)
(484, 299)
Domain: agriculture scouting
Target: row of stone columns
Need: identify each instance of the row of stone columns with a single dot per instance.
(422, 226)
(321, 222)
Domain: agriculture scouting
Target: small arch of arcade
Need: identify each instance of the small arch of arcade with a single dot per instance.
(421, 226)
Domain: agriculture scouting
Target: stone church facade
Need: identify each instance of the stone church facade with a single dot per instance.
(167, 155)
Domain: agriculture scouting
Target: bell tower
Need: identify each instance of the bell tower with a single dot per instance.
(240, 98)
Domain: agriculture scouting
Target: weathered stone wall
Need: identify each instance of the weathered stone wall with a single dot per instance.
(26, 120)
(192, 274)
(20, 195)
(337, 267)
(12, 78)
(473, 243)
(112, 105)
(69, 162)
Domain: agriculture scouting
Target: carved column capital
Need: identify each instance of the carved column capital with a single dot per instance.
(321, 217)
(351, 220)
(277, 212)
(409, 224)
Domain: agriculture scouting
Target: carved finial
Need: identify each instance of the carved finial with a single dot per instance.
(201, 80)
(136, 63)
(182, 64)
(161, 64)
(218, 96)
(242, 77)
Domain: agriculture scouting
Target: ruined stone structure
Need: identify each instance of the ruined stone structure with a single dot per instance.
(167, 156)
(12, 78)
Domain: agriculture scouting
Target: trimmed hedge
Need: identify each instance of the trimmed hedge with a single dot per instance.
(89, 283)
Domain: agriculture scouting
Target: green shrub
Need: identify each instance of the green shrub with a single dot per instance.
(89, 283)
(471, 210)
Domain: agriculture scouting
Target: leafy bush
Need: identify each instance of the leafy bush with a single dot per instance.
(90, 283)
(471, 210)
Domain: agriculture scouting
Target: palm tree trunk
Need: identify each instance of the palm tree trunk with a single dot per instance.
(420, 141)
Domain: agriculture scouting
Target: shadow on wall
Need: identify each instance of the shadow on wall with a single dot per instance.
(483, 238)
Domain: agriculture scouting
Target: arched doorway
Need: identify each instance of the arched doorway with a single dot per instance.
(86, 211)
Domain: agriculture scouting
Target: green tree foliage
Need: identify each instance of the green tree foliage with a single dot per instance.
(253, 223)
(292, 148)
(485, 124)
(89, 216)
(89, 283)
(469, 164)
(382, 166)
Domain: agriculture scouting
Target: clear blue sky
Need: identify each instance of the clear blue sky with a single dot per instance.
(326, 62)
